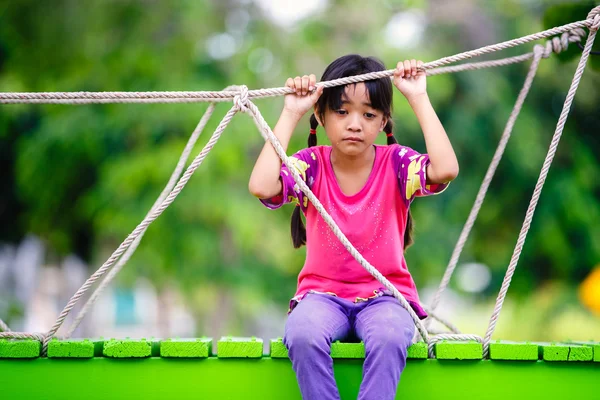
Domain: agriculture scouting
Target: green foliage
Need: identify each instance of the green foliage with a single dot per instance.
(83, 177)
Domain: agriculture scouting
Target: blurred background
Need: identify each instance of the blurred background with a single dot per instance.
(76, 180)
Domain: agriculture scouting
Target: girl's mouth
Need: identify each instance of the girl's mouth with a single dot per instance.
(353, 139)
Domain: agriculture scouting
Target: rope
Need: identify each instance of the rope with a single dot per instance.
(143, 225)
(22, 335)
(242, 103)
(445, 336)
(266, 131)
(228, 95)
(464, 235)
(171, 183)
(542, 178)
(556, 45)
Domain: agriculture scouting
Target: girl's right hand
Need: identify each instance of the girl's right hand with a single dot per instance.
(305, 97)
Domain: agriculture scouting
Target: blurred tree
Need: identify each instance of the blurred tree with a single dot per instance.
(82, 177)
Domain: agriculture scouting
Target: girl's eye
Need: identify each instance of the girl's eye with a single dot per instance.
(369, 115)
(341, 112)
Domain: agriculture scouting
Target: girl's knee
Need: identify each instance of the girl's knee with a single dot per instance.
(305, 338)
(391, 339)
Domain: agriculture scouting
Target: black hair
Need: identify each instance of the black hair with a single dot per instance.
(380, 94)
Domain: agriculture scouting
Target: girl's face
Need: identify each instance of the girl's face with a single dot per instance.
(353, 128)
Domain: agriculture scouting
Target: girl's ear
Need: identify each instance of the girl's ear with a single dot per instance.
(384, 122)
(317, 117)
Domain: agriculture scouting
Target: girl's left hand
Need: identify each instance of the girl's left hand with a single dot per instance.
(410, 81)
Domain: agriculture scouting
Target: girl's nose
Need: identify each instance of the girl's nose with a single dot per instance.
(354, 123)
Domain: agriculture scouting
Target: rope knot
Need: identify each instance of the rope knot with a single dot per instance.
(560, 44)
(241, 100)
(595, 15)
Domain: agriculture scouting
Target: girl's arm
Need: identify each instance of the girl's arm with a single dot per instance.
(443, 165)
(264, 180)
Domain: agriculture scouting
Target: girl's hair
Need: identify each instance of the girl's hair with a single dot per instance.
(380, 95)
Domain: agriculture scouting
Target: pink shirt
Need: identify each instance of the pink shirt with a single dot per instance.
(374, 220)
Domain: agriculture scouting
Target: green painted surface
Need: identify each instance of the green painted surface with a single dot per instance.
(347, 350)
(566, 352)
(10, 348)
(267, 378)
(127, 348)
(70, 348)
(186, 348)
(504, 350)
(459, 350)
(239, 347)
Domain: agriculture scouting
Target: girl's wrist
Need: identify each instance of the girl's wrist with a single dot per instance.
(417, 98)
(293, 115)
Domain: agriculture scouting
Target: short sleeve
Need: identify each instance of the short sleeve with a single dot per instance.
(411, 170)
(305, 163)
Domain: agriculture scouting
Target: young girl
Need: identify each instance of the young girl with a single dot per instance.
(367, 189)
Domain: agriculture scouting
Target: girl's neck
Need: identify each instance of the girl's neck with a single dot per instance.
(345, 162)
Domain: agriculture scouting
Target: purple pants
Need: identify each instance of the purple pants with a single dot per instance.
(382, 324)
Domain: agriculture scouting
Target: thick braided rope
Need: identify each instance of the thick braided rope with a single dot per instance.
(217, 96)
(143, 225)
(22, 335)
(4, 327)
(480, 65)
(446, 336)
(127, 255)
(556, 45)
(542, 178)
(239, 104)
(464, 235)
(167, 189)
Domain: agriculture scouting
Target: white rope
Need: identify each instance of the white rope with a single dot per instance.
(542, 178)
(218, 96)
(464, 235)
(242, 103)
(167, 189)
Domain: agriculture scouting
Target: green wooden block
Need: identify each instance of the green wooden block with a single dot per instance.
(417, 350)
(447, 350)
(506, 350)
(127, 348)
(15, 348)
(580, 353)
(347, 350)
(595, 346)
(239, 347)
(566, 352)
(278, 349)
(186, 348)
(70, 348)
